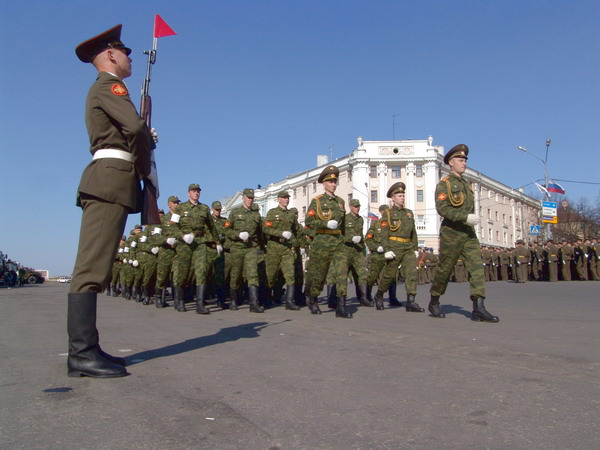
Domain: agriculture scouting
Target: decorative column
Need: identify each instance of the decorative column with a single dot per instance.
(430, 170)
(382, 171)
(359, 164)
(410, 185)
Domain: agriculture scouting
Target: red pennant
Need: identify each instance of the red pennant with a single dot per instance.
(161, 29)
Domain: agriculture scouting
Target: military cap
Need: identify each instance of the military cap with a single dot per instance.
(248, 192)
(520, 241)
(123, 238)
(458, 150)
(395, 188)
(161, 211)
(87, 51)
(137, 226)
(283, 194)
(354, 202)
(193, 186)
(174, 199)
(329, 173)
(216, 205)
(382, 208)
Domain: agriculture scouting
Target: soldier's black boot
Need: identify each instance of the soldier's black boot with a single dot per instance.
(480, 313)
(411, 305)
(434, 307)
(221, 298)
(85, 355)
(313, 305)
(200, 307)
(127, 293)
(299, 296)
(340, 311)
(179, 298)
(393, 300)
(160, 299)
(332, 296)
(107, 291)
(370, 293)
(361, 294)
(115, 290)
(253, 300)
(267, 298)
(145, 296)
(379, 300)
(234, 300)
(289, 298)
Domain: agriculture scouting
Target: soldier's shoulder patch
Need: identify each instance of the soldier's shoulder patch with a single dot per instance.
(311, 212)
(383, 223)
(268, 223)
(409, 214)
(118, 89)
(442, 196)
(370, 236)
(227, 224)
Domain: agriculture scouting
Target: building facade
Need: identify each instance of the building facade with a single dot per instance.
(373, 166)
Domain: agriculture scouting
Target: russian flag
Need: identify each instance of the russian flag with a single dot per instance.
(553, 186)
(373, 216)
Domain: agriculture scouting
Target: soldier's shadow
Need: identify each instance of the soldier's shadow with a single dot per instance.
(453, 309)
(228, 334)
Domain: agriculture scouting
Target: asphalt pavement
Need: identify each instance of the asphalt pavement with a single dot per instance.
(291, 380)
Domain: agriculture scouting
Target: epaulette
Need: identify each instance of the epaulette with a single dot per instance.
(445, 178)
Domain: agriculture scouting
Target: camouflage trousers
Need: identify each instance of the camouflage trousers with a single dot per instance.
(325, 251)
(279, 257)
(357, 264)
(148, 268)
(244, 263)
(405, 261)
(116, 270)
(194, 260)
(375, 267)
(126, 274)
(164, 266)
(221, 269)
(455, 244)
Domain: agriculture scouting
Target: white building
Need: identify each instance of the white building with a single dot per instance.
(373, 166)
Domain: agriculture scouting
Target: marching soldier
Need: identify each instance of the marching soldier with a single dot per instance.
(521, 261)
(537, 262)
(566, 256)
(594, 260)
(222, 264)
(244, 229)
(581, 256)
(455, 202)
(356, 251)
(165, 238)
(280, 226)
(147, 257)
(325, 218)
(400, 244)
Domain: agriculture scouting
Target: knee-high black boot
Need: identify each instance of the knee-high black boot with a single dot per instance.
(289, 298)
(179, 298)
(332, 296)
(200, 308)
(340, 311)
(393, 300)
(85, 355)
(253, 300)
(361, 294)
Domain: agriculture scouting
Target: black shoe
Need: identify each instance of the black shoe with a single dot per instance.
(379, 300)
(113, 359)
(341, 309)
(434, 307)
(411, 306)
(481, 314)
(313, 305)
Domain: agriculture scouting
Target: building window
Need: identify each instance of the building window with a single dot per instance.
(421, 220)
(480, 211)
(349, 198)
(497, 236)
(504, 218)
(374, 196)
(396, 171)
(505, 238)
(419, 195)
(496, 216)
(373, 171)
(490, 235)
(315, 186)
(304, 190)
(294, 193)
(489, 214)
(419, 170)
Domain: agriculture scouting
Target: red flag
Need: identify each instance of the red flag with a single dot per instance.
(161, 29)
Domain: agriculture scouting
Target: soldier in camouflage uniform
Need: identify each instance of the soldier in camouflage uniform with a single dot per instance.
(280, 227)
(113, 289)
(147, 257)
(300, 245)
(164, 237)
(221, 265)
(455, 202)
(244, 230)
(325, 217)
(356, 251)
(376, 260)
(400, 244)
(132, 273)
(197, 250)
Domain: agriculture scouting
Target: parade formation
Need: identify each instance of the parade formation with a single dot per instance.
(195, 254)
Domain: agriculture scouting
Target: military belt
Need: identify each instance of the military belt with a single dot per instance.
(211, 244)
(324, 231)
(279, 240)
(398, 239)
(113, 153)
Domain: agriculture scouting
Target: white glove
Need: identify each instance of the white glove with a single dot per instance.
(302, 252)
(356, 239)
(286, 234)
(472, 219)
(120, 250)
(143, 239)
(380, 249)
(157, 230)
(332, 224)
(134, 244)
(126, 249)
(188, 238)
(219, 249)
(175, 218)
(154, 250)
(171, 241)
(244, 236)
(416, 254)
(135, 263)
(389, 255)
(154, 135)
(130, 261)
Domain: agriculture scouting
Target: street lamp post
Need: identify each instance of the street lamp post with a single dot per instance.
(545, 163)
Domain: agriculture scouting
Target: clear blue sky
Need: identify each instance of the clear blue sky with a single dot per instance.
(250, 91)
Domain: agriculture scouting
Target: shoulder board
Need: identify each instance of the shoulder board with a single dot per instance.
(445, 178)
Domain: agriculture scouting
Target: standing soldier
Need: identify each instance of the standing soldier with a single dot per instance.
(487, 262)
(552, 259)
(455, 202)
(109, 190)
(580, 251)
(325, 218)
(199, 248)
(400, 243)
(521, 261)
(566, 256)
(243, 228)
(356, 251)
(280, 227)
(503, 263)
(594, 260)
(537, 264)
(164, 237)
(494, 262)
(221, 266)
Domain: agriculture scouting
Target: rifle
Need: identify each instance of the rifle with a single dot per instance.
(150, 194)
